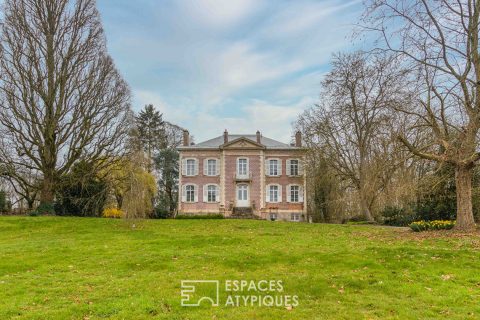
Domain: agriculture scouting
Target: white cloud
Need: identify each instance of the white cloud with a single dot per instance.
(218, 13)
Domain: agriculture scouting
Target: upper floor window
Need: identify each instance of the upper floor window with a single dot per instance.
(293, 167)
(210, 167)
(211, 193)
(274, 167)
(242, 166)
(274, 193)
(190, 167)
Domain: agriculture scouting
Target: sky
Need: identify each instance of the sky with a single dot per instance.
(241, 65)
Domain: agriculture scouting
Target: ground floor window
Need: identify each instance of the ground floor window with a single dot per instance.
(294, 193)
(190, 193)
(295, 216)
(273, 193)
(273, 216)
(212, 192)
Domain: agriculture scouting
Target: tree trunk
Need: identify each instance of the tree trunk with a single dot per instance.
(47, 192)
(365, 210)
(463, 183)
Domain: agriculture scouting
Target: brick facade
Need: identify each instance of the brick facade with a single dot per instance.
(256, 150)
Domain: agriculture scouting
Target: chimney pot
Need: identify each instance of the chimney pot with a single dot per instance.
(225, 136)
(298, 139)
(259, 137)
(186, 138)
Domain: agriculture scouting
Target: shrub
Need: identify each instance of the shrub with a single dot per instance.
(422, 225)
(45, 208)
(398, 217)
(204, 216)
(112, 213)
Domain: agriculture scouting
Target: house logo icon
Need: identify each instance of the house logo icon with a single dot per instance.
(196, 292)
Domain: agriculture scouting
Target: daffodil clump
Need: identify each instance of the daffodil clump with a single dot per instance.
(422, 225)
(112, 213)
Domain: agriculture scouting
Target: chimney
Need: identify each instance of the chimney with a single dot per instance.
(298, 139)
(259, 137)
(225, 136)
(186, 138)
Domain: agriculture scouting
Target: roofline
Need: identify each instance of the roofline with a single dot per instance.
(193, 148)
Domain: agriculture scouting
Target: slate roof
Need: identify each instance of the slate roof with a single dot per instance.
(217, 142)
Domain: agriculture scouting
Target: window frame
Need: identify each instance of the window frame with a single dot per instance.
(215, 191)
(239, 173)
(194, 168)
(297, 166)
(291, 190)
(270, 167)
(214, 170)
(193, 186)
(270, 193)
(293, 215)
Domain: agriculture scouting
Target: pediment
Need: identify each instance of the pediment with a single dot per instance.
(242, 143)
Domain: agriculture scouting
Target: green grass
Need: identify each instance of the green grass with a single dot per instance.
(82, 268)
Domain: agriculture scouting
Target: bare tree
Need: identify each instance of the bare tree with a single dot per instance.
(62, 98)
(352, 124)
(440, 40)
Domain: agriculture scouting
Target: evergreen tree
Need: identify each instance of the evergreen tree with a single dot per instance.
(150, 128)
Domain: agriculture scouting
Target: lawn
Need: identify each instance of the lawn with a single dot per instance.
(87, 268)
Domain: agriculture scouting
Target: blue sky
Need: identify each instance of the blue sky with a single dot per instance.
(240, 65)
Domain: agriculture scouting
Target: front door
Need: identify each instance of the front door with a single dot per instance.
(242, 196)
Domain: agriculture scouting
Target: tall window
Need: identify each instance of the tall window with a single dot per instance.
(211, 193)
(294, 193)
(294, 167)
(273, 193)
(190, 167)
(242, 167)
(273, 167)
(190, 193)
(211, 167)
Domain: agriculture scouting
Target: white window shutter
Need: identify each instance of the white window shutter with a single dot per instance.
(184, 193)
(300, 167)
(248, 166)
(279, 167)
(300, 194)
(184, 167)
(287, 169)
(279, 193)
(267, 167)
(205, 193)
(196, 167)
(195, 192)
(289, 193)
(267, 194)
(205, 167)
(217, 193)
(217, 167)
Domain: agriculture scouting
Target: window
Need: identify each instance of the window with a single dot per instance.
(295, 217)
(212, 193)
(190, 193)
(273, 167)
(211, 167)
(294, 194)
(273, 216)
(190, 164)
(242, 167)
(294, 167)
(273, 191)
